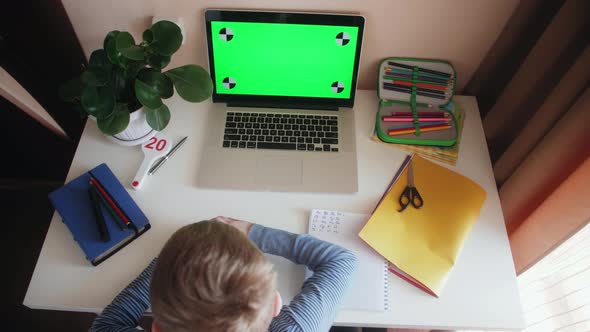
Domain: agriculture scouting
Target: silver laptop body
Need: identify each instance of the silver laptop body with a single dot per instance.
(323, 169)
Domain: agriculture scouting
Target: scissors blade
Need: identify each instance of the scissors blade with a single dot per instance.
(411, 175)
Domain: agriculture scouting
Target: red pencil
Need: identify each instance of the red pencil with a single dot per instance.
(424, 129)
(421, 114)
(423, 85)
(411, 119)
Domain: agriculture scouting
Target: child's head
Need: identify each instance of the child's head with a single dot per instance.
(211, 277)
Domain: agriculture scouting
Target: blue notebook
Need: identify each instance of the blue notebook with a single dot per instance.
(73, 204)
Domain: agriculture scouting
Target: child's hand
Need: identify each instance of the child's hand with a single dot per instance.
(241, 225)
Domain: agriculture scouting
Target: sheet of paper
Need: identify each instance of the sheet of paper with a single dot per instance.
(425, 242)
(369, 290)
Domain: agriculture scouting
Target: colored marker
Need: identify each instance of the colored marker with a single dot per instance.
(409, 119)
(112, 203)
(421, 114)
(430, 71)
(108, 207)
(99, 217)
(409, 72)
(429, 124)
(419, 83)
(420, 93)
(433, 91)
(423, 78)
(422, 129)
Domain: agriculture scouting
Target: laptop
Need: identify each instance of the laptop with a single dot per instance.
(284, 88)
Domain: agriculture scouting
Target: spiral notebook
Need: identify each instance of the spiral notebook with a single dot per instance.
(370, 288)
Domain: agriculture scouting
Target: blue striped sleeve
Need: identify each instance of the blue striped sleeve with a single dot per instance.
(315, 307)
(124, 313)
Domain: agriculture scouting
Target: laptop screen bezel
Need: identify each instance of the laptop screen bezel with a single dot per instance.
(284, 17)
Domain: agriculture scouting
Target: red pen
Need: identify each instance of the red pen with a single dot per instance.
(111, 203)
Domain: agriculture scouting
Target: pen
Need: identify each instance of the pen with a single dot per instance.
(113, 204)
(166, 157)
(98, 217)
(108, 207)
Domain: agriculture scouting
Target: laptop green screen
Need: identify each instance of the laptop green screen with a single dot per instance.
(280, 59)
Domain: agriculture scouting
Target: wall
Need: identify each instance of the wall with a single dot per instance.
(460, 31)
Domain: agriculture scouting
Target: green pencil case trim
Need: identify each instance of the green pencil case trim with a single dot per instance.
(385, 102)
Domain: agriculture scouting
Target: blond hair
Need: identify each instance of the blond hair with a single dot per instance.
(211, 277)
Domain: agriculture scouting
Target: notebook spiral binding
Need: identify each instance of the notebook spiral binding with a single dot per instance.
(386, 293)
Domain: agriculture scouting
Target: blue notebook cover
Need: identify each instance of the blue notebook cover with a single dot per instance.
(73, 204)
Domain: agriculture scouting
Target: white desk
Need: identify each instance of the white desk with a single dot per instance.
(481, 293)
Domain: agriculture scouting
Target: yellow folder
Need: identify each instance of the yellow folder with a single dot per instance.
(423, 244)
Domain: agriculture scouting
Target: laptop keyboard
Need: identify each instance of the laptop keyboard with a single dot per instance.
(278, 131)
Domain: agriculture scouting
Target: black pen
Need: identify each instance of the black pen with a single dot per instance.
(98, 217)
(107, 206)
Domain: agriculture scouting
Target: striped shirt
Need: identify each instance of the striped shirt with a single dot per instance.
(313, 309)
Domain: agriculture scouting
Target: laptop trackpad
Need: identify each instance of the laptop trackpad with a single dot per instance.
(279, 171)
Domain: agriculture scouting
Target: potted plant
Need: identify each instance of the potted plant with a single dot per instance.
(124, 84)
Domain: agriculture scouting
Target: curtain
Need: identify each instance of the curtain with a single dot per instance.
(533, 92)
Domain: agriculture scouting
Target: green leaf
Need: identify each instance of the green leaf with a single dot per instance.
(166, 87)
(148, 95)
(158, 118)
(167, 37)
(111, 51)
(148, 36)
(71, 90)
(192, 82)
(89, 79)
(100, 66)
(124, 40)
(110, 36)
(133, 68)
(158, 61)
(99, 58)
(133, 52)
(116, 122)
(98, 101)
(158, 81)
(120, 83)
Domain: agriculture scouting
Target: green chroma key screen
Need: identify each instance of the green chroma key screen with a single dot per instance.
(278, 59)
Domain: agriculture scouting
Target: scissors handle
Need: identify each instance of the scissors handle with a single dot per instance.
(415, 197)
(404, 199)
(409, 196)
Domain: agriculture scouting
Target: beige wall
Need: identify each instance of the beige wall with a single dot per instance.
(460, 31)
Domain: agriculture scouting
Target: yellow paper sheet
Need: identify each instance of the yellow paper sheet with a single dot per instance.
(425, 242)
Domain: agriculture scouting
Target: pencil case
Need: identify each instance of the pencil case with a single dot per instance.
(412, 95)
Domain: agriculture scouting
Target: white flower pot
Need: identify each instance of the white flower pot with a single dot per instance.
(137, 132)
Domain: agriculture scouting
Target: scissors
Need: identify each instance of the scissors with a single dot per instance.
(410, 195)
